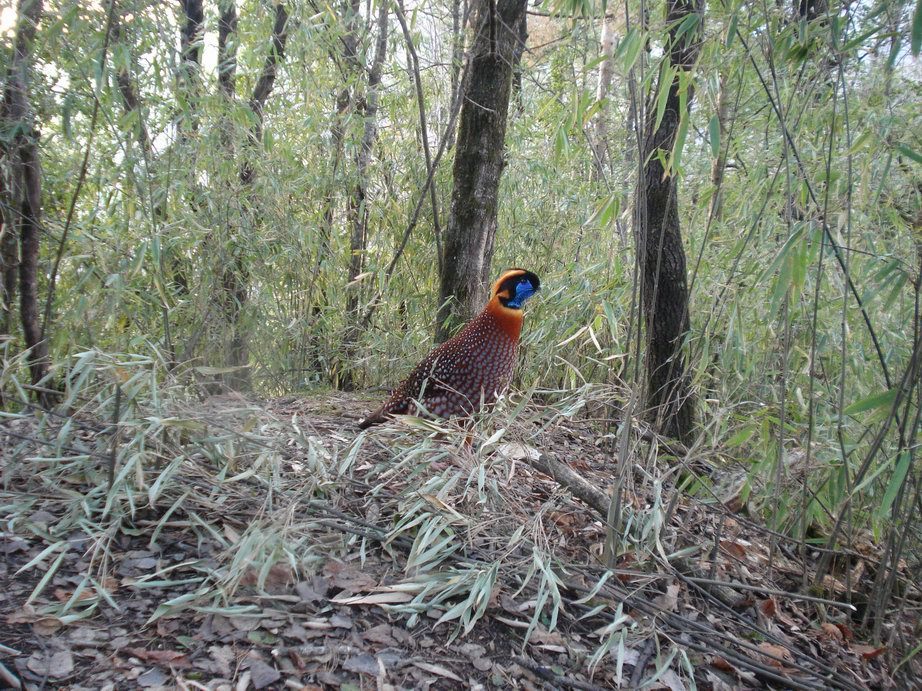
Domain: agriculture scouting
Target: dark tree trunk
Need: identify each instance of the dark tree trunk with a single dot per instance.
(227, 49)
(26, 186)
(664, 289)
(190, 49)
(236, 275)
(479, 161)
(9, 261)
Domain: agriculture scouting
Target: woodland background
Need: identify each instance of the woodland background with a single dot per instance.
(266, 198)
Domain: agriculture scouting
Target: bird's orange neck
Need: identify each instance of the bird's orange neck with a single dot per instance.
(509, 320)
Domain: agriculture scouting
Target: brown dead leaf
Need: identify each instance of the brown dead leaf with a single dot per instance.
(830, 632)
(669, 601)
(47, 626)
(564, 520)
(542, 637)
(847, 633)
(160, 657)
(868, 652)
(279, 576)
(437, 669)
(733, 548)
(771, 652)
(58, 665)
(346, 577)
(724, 666)
(831, 584)
(25, 615)
(63, 594)
(768, 608)
(380, 634)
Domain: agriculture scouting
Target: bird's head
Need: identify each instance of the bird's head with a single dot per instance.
(514, 287)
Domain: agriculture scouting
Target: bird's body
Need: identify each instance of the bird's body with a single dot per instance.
(474, 367)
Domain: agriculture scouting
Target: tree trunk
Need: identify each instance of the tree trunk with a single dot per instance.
(235, 279)
(358, 213)
(599, 139)
(227, 49)
(664, 289)
(479, 161)
(9, 260)
(719, 164)
(26, 185)
(190, 55)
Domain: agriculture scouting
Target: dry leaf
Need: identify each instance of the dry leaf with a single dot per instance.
(868, 652)
(56, 666)
(733, 548)
(173, 658)
(385, 598)
(775, 651)
(669, 601)
(437, 669)
(830, 632)
(768, 608)
(724, 666)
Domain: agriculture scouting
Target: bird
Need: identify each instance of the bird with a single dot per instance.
(474, 367)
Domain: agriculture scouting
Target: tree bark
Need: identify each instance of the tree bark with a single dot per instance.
(478, 166)
(26, 185)
(719, 164)
(664, 289)
(190, 53)
(9, 260)
(358, 213)
(235, 279)
(599, 139)
(227, 49)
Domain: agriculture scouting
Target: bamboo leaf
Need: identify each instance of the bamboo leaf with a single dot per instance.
(896, 482)
(714, 134)
(878, 400)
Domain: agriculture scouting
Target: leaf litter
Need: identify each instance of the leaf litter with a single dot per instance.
(297, 554)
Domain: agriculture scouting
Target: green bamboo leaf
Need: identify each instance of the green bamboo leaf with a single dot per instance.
(665, 83)
(731, 30)
(632, 44)
(909, 153)
(714, 133)
(896, 482)
(878, 400)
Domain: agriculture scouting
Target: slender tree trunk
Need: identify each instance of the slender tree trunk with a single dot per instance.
(9, 260)
(599, 139)
(26, 185)
(479, 161)
(664, 289)
(719, 164)
(358, 213)
(236, 276)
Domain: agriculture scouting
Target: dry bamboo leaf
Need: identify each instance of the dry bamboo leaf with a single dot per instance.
(437, 669)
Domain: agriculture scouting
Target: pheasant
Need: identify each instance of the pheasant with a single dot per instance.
(473, 368)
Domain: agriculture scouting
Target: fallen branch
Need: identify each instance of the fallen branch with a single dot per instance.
(580, 488)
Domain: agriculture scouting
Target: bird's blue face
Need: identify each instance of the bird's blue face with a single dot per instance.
(517, 288)
(524, 289)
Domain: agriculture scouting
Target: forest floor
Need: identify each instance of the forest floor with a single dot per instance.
(261, 544)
